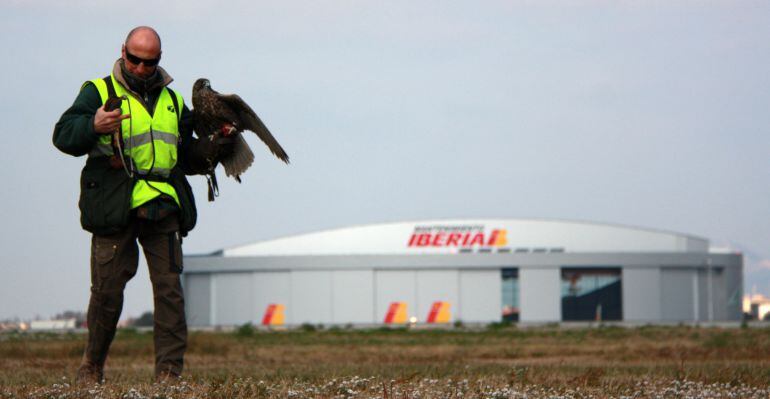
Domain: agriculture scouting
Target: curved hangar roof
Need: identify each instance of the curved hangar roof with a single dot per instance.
(474, 235)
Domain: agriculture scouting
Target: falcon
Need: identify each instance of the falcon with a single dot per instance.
(227, 115)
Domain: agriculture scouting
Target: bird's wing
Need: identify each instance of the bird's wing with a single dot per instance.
(240, 160)
(252, 122)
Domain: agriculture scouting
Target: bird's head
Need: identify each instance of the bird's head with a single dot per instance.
(201, 84)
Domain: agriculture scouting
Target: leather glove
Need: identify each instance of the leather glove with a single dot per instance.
(224, 147)
(205, 153)
(214, 148)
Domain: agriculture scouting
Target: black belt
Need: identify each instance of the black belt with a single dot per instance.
(156, 178)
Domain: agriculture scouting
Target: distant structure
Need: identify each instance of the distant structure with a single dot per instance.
(474, 271)
(10, 326)
(757, 306)
(53, 325)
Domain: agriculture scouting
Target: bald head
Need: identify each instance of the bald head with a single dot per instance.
(143, 47)
(143, 33)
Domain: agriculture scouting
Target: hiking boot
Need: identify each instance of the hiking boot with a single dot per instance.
(90, 373)
(167, 377)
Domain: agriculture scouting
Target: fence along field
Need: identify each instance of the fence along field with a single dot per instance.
(499, 362)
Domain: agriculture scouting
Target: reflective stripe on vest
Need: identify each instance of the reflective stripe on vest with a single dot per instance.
(150, 141)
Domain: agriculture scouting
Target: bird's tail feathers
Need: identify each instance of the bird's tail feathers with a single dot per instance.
(240, 160)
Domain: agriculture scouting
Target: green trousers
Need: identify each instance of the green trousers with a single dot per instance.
(114, 260)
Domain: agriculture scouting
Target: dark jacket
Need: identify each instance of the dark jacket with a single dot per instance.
(106, 192)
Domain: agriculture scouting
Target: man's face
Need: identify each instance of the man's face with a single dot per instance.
(141, 54)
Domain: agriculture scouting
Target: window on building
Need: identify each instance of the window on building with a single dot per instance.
(510, 311)
(591, 294)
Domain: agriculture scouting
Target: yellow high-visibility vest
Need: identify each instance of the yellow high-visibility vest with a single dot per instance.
(150, 141)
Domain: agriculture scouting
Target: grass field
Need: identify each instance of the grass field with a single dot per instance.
(493, 363)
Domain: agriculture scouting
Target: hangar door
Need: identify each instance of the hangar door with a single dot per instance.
(591, 294)
(417, 291)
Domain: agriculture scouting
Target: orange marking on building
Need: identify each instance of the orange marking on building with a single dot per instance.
(274, 315)
(500, 238)
(439, 312)
(396, 313)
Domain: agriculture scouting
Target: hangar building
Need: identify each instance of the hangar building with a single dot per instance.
(474, 271)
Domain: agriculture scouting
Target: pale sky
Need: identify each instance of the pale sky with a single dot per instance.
(639, 113)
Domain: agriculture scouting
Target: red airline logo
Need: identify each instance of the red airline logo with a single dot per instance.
(457, 236)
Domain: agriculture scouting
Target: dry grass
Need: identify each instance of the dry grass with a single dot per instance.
(499, 363)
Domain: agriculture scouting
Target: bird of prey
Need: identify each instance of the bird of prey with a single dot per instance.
(227, 115)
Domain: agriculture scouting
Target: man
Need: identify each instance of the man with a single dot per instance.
(140, 195)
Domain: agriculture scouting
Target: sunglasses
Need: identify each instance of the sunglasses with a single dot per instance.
(136, 60)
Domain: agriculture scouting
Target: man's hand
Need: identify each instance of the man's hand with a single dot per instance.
(106, 122)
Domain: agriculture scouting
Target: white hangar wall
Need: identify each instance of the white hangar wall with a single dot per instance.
(663, 276)
(339, 297)
(650, 293)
